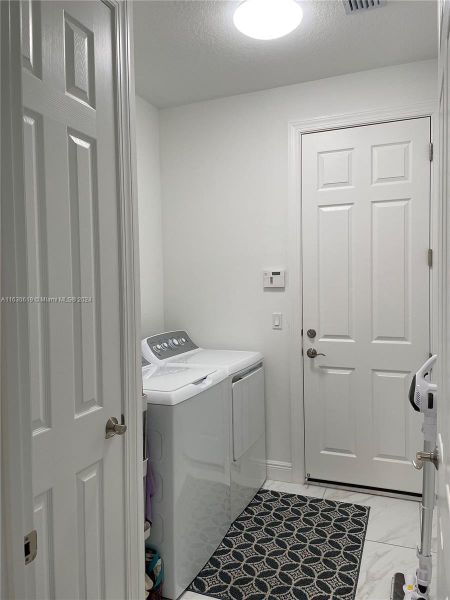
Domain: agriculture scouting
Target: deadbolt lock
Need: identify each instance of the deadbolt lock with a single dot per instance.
(311, 333)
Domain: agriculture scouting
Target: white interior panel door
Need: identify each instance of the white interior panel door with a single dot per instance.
(73, 253)
(365, 214)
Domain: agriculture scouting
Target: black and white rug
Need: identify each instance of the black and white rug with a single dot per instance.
(285, 547)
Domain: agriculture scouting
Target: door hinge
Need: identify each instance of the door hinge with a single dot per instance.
(30, 546)
(431, 151)
(430, 257)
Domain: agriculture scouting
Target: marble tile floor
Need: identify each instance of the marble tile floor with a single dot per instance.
(391, 540)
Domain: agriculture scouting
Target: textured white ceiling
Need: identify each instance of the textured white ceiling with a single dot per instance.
(189, 50)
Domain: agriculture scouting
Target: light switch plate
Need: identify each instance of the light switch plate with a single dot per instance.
(277, 320)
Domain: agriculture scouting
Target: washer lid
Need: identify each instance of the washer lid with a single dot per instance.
(171, 378)
(231, 360)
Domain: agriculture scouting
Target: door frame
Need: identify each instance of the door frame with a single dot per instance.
(443, 356)
(296, 129)
(16, 471)
(17, 515)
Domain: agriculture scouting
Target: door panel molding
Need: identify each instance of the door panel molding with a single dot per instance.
(296, 129)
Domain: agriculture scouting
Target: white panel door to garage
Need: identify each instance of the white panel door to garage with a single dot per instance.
(73, 252)
(365, 214)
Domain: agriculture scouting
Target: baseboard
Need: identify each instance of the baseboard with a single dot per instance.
(279, 471)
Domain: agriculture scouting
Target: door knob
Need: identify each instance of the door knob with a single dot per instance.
(421, 457)
(312, 353)
(113, 427)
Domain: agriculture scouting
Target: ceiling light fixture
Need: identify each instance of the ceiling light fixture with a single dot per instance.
(267, 19)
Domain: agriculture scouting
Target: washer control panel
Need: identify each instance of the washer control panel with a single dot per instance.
(167, 345)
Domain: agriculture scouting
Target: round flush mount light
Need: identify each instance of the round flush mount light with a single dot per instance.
(267, 19)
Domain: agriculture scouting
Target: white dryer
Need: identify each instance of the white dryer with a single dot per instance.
(188, 425)
(247, 400)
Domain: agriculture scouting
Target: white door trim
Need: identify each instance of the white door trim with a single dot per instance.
(131, 310)
(295, 131)
(15, 421)
(17, 509)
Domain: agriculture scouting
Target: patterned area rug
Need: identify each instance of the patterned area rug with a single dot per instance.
(285, 547)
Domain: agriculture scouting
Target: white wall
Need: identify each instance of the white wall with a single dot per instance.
(150, 220)
(225, 212)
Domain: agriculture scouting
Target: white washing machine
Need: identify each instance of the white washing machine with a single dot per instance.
(247, 400)
(188, 426)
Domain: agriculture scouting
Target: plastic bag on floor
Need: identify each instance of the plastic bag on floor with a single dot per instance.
(154, 573)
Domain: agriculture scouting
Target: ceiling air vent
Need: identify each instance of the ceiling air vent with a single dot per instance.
(356, 6)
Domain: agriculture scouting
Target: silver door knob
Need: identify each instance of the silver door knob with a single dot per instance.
(113, 427)
(422, 457)
(312, 353)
